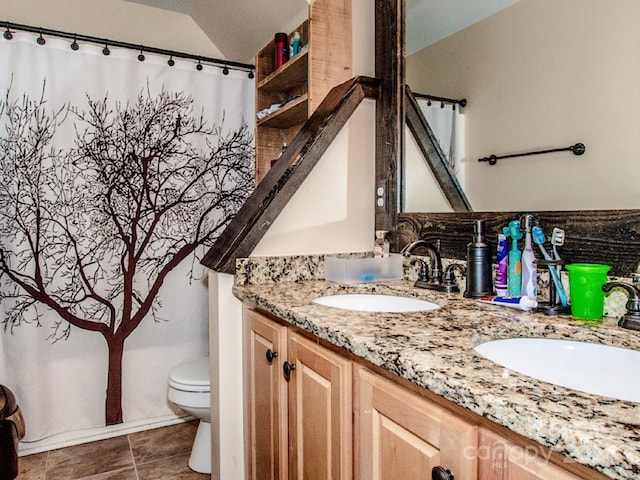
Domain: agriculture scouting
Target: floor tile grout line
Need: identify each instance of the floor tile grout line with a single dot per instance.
(133, 458)
(46, 465)
(163, 458)
(93, 475)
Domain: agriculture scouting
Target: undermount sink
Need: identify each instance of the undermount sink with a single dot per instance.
(588, 367)
(376, 303)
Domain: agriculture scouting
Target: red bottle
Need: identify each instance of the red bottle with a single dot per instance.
(281, 44)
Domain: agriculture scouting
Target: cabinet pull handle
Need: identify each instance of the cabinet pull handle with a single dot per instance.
(271, 355)
(440, 473)
(288, 368)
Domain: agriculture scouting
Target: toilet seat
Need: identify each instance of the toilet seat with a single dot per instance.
(189, 390)
(191, 376)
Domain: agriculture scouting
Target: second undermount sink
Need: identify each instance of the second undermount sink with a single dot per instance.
(376, 303)
(587, 367)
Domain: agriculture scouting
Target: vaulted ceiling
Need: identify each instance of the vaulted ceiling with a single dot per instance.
(431, 20)
(239, 28)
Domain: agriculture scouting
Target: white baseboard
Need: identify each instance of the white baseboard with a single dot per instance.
(76, 437)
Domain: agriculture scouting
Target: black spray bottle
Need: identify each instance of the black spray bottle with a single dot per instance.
(479, 277)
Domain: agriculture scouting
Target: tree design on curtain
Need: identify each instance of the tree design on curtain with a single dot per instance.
(92, 232)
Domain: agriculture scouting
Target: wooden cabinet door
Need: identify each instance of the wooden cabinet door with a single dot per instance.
(265, 348)
(499, 459)
(401, 435)
(320, 412)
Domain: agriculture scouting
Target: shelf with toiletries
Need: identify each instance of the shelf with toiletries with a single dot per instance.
(287, 115)
(292, 74)
(287, 95)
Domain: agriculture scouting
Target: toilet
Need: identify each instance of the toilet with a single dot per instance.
(190, 390)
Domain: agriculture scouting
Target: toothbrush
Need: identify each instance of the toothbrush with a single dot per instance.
(529, 269)
(557, 240)
(539, 238)
(514, 278)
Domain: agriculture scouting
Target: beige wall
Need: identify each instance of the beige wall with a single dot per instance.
(545, 74)
(332, 211)
(115, 20)
(426, 195)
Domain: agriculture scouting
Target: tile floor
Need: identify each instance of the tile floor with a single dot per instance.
(160, 454)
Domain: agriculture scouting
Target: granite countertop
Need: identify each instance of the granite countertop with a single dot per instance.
(434, 350)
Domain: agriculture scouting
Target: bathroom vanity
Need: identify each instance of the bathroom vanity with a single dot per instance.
(364, 388)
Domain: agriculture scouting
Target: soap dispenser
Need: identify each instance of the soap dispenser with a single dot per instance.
(479, 277)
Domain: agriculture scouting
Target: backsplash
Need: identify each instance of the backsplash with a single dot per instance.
(591, 236)
(261, 270)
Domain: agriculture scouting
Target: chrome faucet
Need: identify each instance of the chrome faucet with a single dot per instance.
(433, 275)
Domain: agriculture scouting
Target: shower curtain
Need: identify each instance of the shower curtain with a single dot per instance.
(447, 124)
(116, 174)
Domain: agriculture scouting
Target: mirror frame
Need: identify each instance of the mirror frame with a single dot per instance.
(390, 70)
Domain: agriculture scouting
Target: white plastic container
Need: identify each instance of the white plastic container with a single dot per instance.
(361, 270)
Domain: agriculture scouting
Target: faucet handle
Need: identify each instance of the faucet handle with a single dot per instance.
(449, 282)
(423, 274)
(631, 319)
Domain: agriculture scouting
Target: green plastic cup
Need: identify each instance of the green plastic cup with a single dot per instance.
(585, 287)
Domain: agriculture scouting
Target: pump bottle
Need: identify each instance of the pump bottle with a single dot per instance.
(479, 279)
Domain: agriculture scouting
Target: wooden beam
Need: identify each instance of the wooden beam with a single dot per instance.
(280, 183)
(389, 68)
(433, 155)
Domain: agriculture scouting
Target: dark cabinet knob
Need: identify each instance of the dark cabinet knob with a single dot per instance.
(440, 473)
(271, 355)
(287, 368)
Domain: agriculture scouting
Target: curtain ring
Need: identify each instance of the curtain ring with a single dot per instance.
(7, 34)
(171, 62)
(251, 75)
(225, 70)
(74, 46)
(141, 56)
(199, 66)
(40, 40)
(105, 50)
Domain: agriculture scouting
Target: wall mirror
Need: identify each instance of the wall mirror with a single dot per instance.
(537, 75)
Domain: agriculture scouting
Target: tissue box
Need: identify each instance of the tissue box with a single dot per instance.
(359, 270)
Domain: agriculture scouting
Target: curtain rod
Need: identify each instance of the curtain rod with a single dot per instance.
(225, 64)
(462, 103)
(577, 149)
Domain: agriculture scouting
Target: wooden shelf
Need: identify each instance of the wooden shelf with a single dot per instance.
(291, 114)
(323, 63)
(289, 76)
